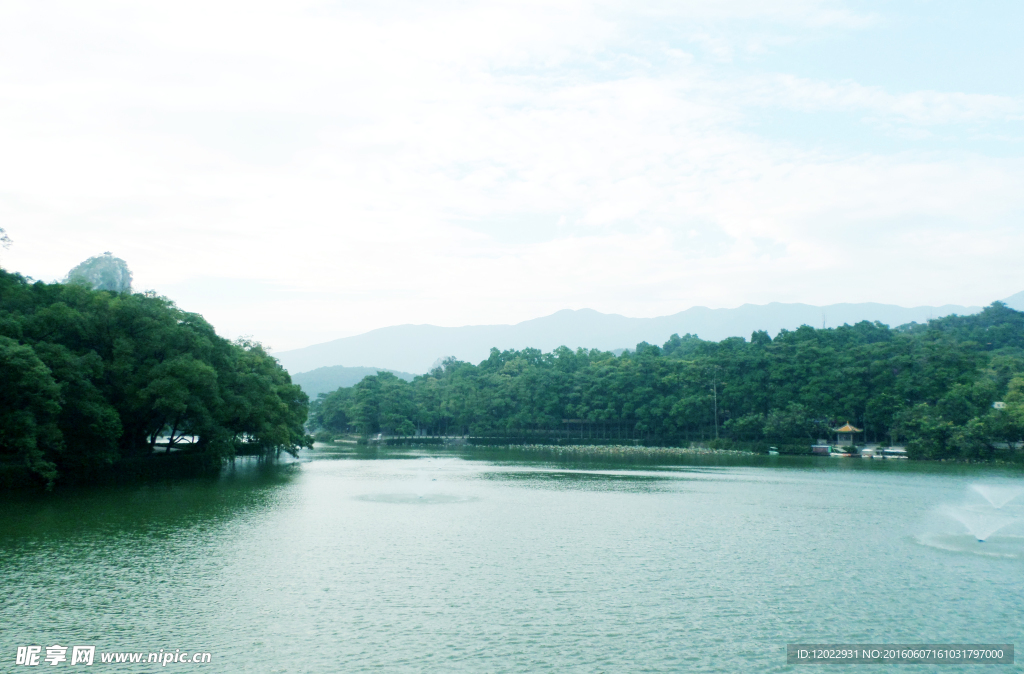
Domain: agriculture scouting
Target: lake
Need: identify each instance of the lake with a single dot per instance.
(464, 561)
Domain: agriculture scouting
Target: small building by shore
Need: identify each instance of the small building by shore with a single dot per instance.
(844, 434)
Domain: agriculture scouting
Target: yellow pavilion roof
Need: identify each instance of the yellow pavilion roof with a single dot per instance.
(848, 429)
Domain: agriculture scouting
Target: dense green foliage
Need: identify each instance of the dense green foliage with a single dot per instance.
(89, 378)
(931, 386)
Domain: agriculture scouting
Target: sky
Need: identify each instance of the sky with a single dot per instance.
(302, 171)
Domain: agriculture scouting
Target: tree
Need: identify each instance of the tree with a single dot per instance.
(929, 434)
(30, 404)
(181, 397)
(331, 411)
(89, 378)
(748, 427)
(793, 421)
(268, 412)
(89, 424)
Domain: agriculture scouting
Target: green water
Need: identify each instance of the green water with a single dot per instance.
(443, 562)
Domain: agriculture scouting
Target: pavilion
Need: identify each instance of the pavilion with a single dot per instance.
(844, 434)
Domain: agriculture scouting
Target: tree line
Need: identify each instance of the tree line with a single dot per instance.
(90, 378)
(932, 386)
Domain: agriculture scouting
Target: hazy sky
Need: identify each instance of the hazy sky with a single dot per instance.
(299, 171)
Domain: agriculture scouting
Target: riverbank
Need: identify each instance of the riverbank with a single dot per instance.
(565, 444)
(623, 451)
(638, 448)
(640, 455)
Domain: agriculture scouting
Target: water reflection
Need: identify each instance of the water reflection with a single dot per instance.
(243, 485)
(416, 499)
(578, 480)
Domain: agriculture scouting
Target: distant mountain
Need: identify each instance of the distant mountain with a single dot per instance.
(327, 379)
(414, 348)
(1015, 301)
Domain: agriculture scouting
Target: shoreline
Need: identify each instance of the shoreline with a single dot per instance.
(623, 450)
(633, 453)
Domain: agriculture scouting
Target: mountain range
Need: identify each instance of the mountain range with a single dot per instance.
(331, 378)
(416, 348)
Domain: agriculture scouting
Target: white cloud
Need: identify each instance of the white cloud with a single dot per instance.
(470, 163)
(916, 107)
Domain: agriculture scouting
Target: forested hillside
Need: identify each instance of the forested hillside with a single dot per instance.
(91, 378)
(932, 386)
